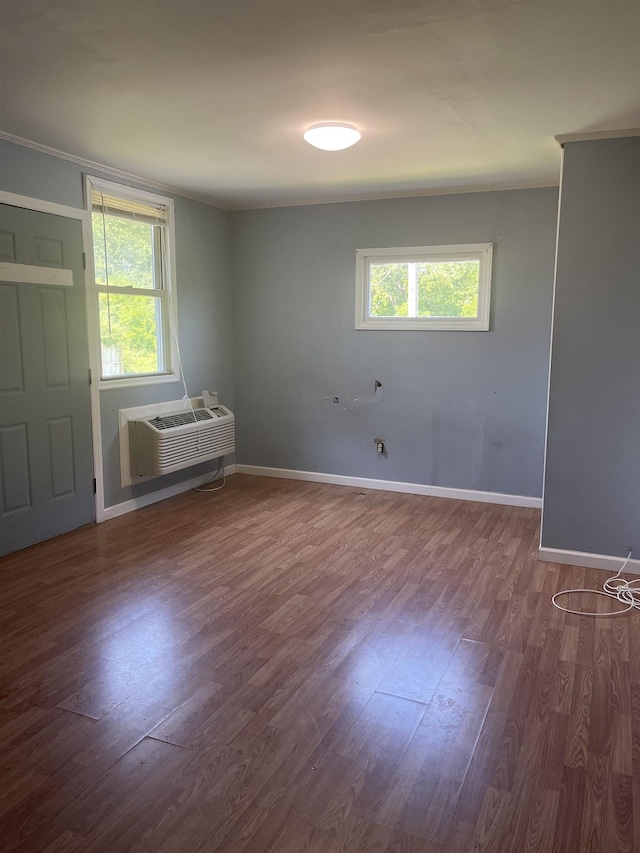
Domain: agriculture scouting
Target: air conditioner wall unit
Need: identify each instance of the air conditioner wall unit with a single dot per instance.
(166, 443)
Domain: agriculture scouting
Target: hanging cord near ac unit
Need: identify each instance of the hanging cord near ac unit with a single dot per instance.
(174, 335)
(616, 587)
(185, 396)
(208, 486)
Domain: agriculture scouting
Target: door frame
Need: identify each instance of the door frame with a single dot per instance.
(84, 217)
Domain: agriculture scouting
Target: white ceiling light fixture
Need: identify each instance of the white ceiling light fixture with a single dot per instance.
(332, 136)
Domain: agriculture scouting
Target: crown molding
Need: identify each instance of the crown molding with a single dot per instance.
(380, 196)
(108, 170)
(480, 188)
(596, 134)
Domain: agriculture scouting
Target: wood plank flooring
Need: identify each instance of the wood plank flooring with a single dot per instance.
(302, 668)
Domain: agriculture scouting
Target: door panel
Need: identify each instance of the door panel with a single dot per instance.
(54, 337)
(16, 488)
(46, 465)
(11, 378)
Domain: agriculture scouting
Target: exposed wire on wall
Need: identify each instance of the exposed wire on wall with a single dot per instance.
(378, 391)
(615, 587)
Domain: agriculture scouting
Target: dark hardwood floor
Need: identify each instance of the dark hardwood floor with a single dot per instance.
(291, 667)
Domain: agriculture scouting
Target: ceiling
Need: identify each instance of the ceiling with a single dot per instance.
(212, 96)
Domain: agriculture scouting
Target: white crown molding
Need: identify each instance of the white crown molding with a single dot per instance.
(391, 486)
(596, 134)
(588, 560)
(109, 170)
(481, 188)
(306, 202)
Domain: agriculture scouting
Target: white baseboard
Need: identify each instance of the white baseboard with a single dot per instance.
(391, 486)
(161, 495)
(590, 561)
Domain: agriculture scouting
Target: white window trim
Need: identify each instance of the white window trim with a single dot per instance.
(172, 374)
(483, 252)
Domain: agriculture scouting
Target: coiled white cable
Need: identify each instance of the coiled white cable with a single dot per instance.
(615, 587)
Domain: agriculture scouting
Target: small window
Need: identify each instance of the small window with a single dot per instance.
(132, 252)
(424, 287)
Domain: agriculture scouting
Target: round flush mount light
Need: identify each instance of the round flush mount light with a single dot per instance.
(332, 136)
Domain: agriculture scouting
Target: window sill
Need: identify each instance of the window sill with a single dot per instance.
(137, 381)
(413, 324)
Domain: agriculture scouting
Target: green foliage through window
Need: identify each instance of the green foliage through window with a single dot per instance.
(129, 334)
(424, 289)
(129, 251)
(130, 323)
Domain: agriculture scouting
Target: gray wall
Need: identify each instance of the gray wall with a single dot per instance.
(204, 301)
(462, 410)
(459, 409)
(592, 484)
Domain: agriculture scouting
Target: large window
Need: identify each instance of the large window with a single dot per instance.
(424, 287)
(133, 250)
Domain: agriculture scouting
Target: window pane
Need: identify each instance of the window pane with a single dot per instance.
(448, 288)
(129, 251)
(130, 334)
(389, 290)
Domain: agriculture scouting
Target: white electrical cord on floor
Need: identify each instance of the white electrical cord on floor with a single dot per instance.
(616, 587)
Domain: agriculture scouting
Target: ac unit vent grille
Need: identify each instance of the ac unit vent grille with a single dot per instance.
(170, 442)
(180, 420)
